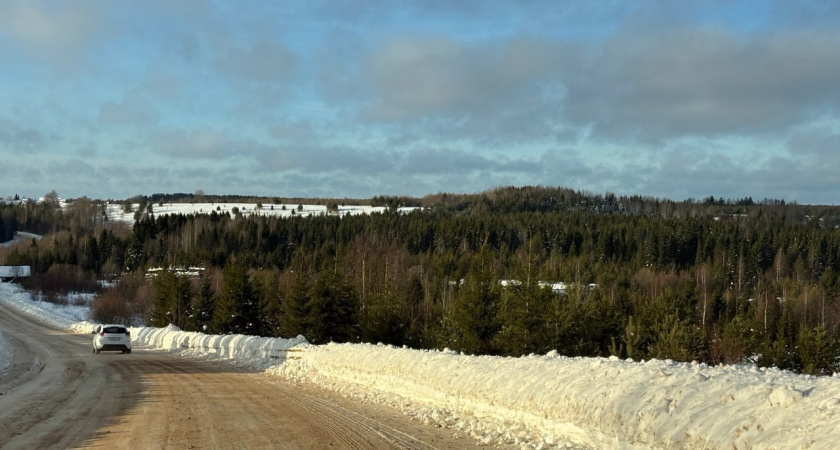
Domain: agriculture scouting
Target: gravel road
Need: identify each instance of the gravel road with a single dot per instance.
(58, 394)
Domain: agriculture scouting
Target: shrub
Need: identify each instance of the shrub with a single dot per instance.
(110, 307)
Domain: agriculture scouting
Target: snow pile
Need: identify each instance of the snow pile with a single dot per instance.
(251, 351)
(590, 402)
(247, 350)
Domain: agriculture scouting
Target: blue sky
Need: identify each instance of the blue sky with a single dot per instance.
(356, 98)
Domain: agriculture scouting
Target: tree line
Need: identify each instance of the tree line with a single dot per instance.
(713, 280)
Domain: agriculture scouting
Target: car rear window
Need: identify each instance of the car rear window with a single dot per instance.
(120, 330)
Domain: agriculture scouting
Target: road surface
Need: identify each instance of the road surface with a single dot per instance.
(58, 394)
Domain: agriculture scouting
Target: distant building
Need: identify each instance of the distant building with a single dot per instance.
(10, 273)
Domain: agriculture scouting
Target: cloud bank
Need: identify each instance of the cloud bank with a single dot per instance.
(728, 98)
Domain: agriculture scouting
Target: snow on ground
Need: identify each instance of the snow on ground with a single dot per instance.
(20, 236)
(56, 315)
(585, 402)
(5, 355)
(115, 210)
(545, 401)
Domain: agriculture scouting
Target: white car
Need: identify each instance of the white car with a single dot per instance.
(111, 337)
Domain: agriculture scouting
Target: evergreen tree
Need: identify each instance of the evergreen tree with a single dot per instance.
(524, 308)
(203, 306)
(334, 310)
(818, 351)
(237, 307)
(91, 256)
(473, 316)
(270, 305)
(385, 319)
(171, 302)
(296, 307)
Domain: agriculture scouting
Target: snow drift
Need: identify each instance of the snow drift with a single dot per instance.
(590, 402)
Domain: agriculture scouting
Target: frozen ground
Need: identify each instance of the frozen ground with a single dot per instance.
(538, 401)
(5, 355)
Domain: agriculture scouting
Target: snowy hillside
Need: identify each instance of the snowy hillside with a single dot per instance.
(115, 211)
(535, 401)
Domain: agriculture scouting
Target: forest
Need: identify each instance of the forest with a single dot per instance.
(713, 280)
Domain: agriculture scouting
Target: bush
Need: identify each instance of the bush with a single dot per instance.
(818, 351)
(110, 307)
(735, 344)
(60, 280)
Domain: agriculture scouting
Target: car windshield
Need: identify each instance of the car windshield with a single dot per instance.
(120, 330)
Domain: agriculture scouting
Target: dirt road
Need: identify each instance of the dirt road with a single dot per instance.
(58, 394)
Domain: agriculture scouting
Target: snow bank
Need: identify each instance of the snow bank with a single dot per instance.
(589, 402)
(248, 350)
(59, 316)
(251, 351)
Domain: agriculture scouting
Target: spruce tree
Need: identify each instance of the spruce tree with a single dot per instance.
(473, 316)
(203, 306)
(296, 307)
(334, 310)
(237, 308)
(171, 301)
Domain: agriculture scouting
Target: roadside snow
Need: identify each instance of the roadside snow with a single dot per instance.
(585, 402)
(252, 351)
(534, 401)
(52, 314)
(5, 355)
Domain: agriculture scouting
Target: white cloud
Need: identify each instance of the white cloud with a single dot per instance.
(52, 31)
(126, 113)
(703, 82)
(202, 143)
(264, 61)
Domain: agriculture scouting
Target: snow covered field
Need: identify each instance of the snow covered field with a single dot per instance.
(115, 211)
(538, 401)
(19, 237)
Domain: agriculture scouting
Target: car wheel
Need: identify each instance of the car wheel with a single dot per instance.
(128, 351)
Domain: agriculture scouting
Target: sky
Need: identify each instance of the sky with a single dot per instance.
(358, 98)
